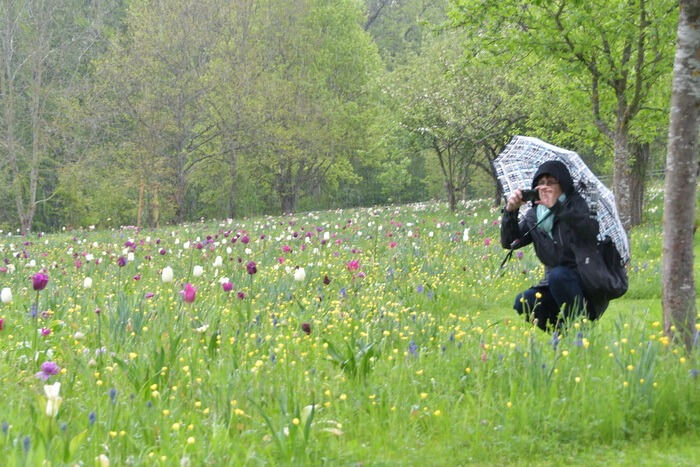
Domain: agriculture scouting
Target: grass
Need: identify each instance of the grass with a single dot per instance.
(411, 355)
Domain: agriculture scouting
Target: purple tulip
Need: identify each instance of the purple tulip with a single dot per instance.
(121, 261)
(245, 239)
(47, 370)
(306, 327)
(250, 267)
(227, 286)
(39, 281)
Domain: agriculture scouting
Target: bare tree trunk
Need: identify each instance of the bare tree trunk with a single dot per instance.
(622, 177)
(451, 195)
(233, 192)
(156, 208)
(681, 179)
(642, 155)
(142, 187)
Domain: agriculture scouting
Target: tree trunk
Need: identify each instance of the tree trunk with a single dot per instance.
(451, 195)
(622, 178)
(642, 156)
(139, 213)
(156, 208)
(681, 179)
(233, 192)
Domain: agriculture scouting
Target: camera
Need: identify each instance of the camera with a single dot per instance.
(531, 195)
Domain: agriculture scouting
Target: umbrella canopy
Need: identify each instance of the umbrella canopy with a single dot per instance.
(517, 163)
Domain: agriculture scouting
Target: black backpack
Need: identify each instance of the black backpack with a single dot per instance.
(602, 271)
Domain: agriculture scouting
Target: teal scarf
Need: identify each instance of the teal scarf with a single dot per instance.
(546, 222)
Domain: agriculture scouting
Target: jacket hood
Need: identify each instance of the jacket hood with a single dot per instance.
(558, 170)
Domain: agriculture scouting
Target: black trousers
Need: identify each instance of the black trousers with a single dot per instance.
(563, 295)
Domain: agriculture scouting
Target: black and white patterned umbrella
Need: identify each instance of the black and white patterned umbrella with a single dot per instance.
(517, 163)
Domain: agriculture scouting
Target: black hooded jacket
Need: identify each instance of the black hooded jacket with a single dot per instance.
(573, 225)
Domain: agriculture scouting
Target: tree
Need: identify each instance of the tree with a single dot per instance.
(313, 95)
(681, 178)
(456, 110)
(616, 51)
(44, 46)
(156, 72)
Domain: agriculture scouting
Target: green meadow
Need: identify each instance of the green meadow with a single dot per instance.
(377, 336)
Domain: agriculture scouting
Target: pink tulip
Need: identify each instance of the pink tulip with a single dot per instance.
(189, 293)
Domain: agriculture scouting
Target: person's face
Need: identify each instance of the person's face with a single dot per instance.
(550, 185)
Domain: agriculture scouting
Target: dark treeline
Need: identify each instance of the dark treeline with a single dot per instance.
(138, 112)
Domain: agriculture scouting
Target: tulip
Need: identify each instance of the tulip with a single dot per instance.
(198, 271)
(299, 274)
(189, 293)
(121, 261)
(227, 286)
(53, 400)
(39, 281)
(167, 274)
(251, 268)
(306, 327)
(6, 295)
(218, 262)
(87, 283)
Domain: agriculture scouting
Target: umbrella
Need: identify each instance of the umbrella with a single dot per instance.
(517, 163)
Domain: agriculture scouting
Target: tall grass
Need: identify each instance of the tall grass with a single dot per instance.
(414, 357)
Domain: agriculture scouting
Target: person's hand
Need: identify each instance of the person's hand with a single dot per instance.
(548, 197)
(515, 201)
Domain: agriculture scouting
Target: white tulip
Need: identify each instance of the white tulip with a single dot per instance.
(53, 400)
(130, 256)
(87, 283)
(326, 236)
(299, 274)
(198, 271)
(102, 460)
(218, 262)
(465, 236)
(6, 295)
(167, 274)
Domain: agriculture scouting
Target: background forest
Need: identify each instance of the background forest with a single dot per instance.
(135, 112)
